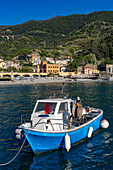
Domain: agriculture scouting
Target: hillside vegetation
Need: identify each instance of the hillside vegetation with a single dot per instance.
(87, 38)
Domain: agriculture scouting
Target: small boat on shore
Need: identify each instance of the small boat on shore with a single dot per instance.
(59, 123)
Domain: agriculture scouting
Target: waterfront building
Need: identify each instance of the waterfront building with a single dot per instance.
(108, 68)
(6, 64)
(95, 71)
(35, 59)
(12, 64)
(90, 69)
(50, 68)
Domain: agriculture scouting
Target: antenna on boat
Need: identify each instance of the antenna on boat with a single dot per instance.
(67, 95)
(52, 97)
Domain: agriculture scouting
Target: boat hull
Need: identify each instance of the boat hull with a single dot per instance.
(43, 141)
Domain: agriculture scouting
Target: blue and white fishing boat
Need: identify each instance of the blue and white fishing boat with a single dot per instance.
(59, 123)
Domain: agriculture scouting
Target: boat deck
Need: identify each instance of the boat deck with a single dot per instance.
(48, 125)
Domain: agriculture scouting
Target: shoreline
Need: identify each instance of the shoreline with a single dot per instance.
(46, 80)
(30, 82)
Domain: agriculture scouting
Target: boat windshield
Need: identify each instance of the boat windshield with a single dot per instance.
(46, 107)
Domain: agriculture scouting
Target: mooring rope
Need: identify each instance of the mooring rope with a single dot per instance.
(15, 155)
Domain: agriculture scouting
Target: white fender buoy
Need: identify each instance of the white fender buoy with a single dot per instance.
(67, 142)
(104, 124)
(18, 131)
(20, 136)
(90, 132)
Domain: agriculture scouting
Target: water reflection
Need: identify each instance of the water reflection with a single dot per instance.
(49, 160)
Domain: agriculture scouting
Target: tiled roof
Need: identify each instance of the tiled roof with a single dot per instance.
(91, 66)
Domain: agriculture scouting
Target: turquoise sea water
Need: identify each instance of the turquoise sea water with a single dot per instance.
(96, 152)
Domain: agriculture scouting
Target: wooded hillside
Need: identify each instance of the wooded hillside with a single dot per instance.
(87, 38)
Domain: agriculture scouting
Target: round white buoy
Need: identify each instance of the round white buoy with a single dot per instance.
(67, 142)
(18, 136)
(104, 124)
(90, 132)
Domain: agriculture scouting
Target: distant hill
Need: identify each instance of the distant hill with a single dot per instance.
(91, 33)
(59, 24)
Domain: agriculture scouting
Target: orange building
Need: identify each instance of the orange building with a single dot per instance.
(51, 68)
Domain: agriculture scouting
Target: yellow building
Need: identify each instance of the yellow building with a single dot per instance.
(51, 68)
(90, 69)
(35, 59)
(93, 71)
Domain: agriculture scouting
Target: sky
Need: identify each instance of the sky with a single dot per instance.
(13, 12)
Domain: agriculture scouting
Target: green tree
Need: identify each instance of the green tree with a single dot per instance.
(9, 69)
(27, 69)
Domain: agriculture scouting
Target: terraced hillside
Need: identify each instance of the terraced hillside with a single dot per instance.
(87, 38)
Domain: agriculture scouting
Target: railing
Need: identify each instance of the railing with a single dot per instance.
(49, 122)
(26, 119)
(59, 124)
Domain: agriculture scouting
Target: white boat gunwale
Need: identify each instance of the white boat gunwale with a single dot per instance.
(67, 130)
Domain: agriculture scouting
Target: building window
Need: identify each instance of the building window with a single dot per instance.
(109, 70)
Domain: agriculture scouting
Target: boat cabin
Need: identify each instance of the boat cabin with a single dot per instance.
(51, 114)
(54, 114)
